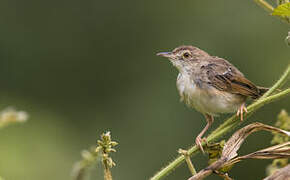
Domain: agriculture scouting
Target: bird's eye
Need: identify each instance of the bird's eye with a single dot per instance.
(186, 55)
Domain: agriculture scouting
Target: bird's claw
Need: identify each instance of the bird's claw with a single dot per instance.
(241, 111)
(198, 141)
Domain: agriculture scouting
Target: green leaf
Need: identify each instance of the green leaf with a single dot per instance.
(282, 10)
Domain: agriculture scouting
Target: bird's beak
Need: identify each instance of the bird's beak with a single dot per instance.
(165, 54)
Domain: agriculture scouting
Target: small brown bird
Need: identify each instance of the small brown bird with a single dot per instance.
(210, 84)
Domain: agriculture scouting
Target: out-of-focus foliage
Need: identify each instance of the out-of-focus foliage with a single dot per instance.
(214, 151)
(288, 39)
(81, 168)
(10, 116)
(283, 122)
(282, 10)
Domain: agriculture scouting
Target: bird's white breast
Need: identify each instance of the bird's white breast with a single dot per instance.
(206, 98)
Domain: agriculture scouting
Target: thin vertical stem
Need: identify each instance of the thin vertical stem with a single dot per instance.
(188, 161)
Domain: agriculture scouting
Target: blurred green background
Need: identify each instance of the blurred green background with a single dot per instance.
(80, 68)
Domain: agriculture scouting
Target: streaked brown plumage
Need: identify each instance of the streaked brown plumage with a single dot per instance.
(210, 84)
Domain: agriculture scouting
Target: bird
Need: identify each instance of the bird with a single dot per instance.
(211, 85)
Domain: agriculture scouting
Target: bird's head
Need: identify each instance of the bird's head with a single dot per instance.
(184, 57)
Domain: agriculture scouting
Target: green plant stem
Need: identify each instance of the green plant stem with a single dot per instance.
(265, 5)
(190, 165)
(229, 124)
(188, 161)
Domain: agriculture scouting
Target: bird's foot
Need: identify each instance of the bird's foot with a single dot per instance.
(241, 111)
(198, 141)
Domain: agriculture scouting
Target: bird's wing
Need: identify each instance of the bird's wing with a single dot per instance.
(225, 77)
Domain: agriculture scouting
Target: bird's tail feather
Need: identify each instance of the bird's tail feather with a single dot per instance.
(262, 90)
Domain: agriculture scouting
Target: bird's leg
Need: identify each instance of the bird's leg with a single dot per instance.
(242, 110)
(198, 139)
